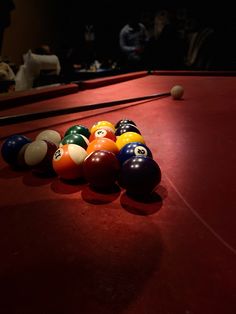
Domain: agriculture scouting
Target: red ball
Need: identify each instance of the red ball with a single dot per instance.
(101, 169)
(102, 133)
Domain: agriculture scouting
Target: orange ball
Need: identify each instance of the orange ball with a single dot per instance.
(102, 144)
(68, 161)
(101, 133)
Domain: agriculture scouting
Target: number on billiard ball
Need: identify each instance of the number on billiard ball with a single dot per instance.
(133, 149)
(68, 161)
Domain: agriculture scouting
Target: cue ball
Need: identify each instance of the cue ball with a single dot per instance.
(177, 92)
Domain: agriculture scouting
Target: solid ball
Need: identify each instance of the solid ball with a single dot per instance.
(128, 137)
(139, 175)
(12, 146)
(77, 139)
(38, 155)
(49, 135)
(101, 169)
(132, 150)
(78, 129)
(68, 161)
(100, 133)
(102, 124)
(102, 144)
(177, 92)
(124, 121)
(126, 128)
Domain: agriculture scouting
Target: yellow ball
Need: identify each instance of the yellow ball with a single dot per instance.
(177, 92)
(102, 125)
(128, 137)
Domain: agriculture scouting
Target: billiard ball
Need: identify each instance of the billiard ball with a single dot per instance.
(139, 175)
(68, 161)
(126, 128)
(101, 169)
(128, 137)
(124, 121)
(49, 135)
(133, 149)
(38, 156)
(102, 124)
(102, 144)
(12, 147)
(78, 129)
(177, 92)
(77, 139)
(100, 133)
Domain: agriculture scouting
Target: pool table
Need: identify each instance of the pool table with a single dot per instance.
(65, 248)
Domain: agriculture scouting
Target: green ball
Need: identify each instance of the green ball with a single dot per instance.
(78, 129)
(77, 139)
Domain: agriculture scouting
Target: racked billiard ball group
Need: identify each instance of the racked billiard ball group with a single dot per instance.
(104, 155)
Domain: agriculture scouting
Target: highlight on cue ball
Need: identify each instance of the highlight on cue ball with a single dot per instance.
(177, 92)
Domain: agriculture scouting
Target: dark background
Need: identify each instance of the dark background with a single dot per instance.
(60, 23)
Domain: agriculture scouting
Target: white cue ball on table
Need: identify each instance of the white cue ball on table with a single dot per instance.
(177, 92)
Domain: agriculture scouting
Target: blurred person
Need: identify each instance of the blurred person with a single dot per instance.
(133, 38)
(200, 40)
(165, 48)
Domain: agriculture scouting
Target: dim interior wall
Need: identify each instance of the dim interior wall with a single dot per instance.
(32, 24)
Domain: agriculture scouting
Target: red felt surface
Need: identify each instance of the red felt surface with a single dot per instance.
(67, 249)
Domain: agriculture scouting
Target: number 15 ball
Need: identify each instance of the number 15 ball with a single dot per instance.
(140, 175)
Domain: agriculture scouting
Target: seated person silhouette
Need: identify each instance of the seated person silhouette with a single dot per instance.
(132, 40)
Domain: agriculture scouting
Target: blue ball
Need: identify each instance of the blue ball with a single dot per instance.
(132, 150)
(12, 146)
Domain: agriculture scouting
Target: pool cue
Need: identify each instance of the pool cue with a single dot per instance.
(5, 120)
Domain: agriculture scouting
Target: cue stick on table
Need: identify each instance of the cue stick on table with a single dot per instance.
(5, 120)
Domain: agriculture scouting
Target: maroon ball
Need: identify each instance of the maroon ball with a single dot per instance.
(101, 169)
